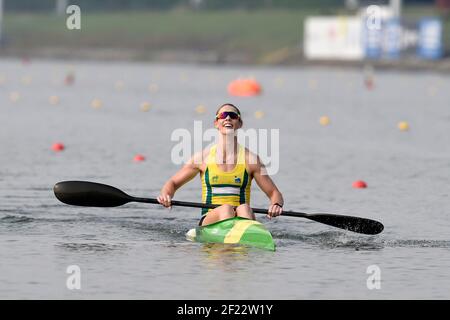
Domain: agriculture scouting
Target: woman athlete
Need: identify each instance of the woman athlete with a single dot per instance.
(226, 170)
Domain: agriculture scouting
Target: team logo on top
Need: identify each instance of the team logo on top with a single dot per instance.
(237, 179)
(215, 178)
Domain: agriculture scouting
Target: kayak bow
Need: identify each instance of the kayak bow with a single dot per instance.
(235, 230)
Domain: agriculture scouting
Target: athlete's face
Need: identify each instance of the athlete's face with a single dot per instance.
(227, 120)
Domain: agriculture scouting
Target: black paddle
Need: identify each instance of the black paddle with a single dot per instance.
(91, 194)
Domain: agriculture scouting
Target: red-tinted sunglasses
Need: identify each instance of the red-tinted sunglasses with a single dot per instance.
(225, 114)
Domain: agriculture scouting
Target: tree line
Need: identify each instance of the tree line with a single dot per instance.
(119, 5)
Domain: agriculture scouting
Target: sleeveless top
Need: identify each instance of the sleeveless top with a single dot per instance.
(220, 187)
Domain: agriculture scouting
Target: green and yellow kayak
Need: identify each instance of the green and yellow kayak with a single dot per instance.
(235, 231)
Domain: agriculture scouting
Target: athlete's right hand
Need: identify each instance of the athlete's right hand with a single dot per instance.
(165, 200)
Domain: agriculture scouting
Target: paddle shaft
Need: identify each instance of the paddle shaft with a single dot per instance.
(355, 224)
(212, 206)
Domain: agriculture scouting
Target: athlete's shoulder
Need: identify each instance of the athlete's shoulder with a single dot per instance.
(207, 150)
(251, 158)
(201, 156)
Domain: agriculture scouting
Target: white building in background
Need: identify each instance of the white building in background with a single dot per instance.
(332, 38)
(376, 32)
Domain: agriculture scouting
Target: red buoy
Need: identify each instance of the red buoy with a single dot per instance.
(70, 79)
(58, 147)
(138, 158)
(369, 83)
(359, 184)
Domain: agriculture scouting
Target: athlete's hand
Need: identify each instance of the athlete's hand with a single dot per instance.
(165, 200)
(274, 210)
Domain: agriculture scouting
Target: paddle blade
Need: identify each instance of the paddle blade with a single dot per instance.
(355, 224)
(89, 194)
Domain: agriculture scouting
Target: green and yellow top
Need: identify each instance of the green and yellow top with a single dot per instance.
(220, 187)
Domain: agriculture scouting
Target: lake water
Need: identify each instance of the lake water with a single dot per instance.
(139, 251)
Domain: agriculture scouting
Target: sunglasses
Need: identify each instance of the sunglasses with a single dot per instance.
(225, 114)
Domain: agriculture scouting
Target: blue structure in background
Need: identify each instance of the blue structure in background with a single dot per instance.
(373, 37)
(392, 38)
(430, 39)
(385, 40)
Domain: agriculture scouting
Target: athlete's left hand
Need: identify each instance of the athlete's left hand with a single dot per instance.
(274, 210)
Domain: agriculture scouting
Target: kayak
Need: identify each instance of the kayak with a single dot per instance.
(235, 230)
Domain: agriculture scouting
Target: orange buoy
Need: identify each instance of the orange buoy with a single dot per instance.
(244, 88)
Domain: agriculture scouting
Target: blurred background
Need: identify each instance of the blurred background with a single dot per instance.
(245, 31)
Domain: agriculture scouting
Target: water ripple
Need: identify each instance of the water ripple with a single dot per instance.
(90, 246)
(341, 239)
(16, 219)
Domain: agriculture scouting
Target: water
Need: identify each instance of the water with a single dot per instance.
(140, 251)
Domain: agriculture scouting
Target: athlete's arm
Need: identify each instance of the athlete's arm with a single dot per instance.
(184, 175)
(259, 173)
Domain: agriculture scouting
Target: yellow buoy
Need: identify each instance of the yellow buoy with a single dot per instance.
(26, 80)
(200, 109)
(432, 91)
(184, 77)
(279, 82)
(96, 103)
(145, 106)
(14, 96)
(403, 125)
(119, 85)
(259, 114)
(54, 100)
(153, 88)
(312, 83)
(324, 120)
(212, 78)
